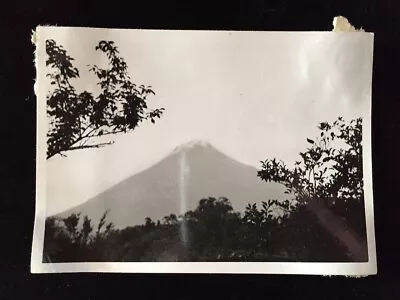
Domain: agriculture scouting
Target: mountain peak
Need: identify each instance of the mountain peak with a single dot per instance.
(193, 144)
(176, 184)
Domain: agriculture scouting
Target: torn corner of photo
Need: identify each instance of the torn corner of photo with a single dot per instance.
(168, 151)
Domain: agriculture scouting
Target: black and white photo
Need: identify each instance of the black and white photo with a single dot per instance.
(168, 151)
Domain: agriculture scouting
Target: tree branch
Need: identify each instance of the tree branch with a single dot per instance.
(91, 146)
(108, 133)
(84, 146)
(84, 134)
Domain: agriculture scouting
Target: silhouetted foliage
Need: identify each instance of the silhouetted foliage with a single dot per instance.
(79, 120)
(69, 240)
(211, 232)
(211, 227)
(328, 176)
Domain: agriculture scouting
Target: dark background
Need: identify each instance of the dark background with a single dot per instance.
(18, 145)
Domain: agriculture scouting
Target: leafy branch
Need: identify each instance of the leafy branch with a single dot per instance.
(76, 118)
(328, 180)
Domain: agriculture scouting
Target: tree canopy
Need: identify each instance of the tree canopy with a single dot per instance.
(214, 232)
(79, 120)
(328, 178)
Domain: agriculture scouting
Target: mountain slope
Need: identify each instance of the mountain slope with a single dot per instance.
(176, 184)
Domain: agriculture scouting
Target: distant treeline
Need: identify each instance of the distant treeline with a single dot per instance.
(211, 232)
(324, 221)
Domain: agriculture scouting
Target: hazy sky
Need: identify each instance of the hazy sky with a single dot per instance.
(253, 95)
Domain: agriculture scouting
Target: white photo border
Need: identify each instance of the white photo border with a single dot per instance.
(305, 268)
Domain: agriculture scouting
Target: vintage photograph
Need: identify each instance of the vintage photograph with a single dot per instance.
(197, 151)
